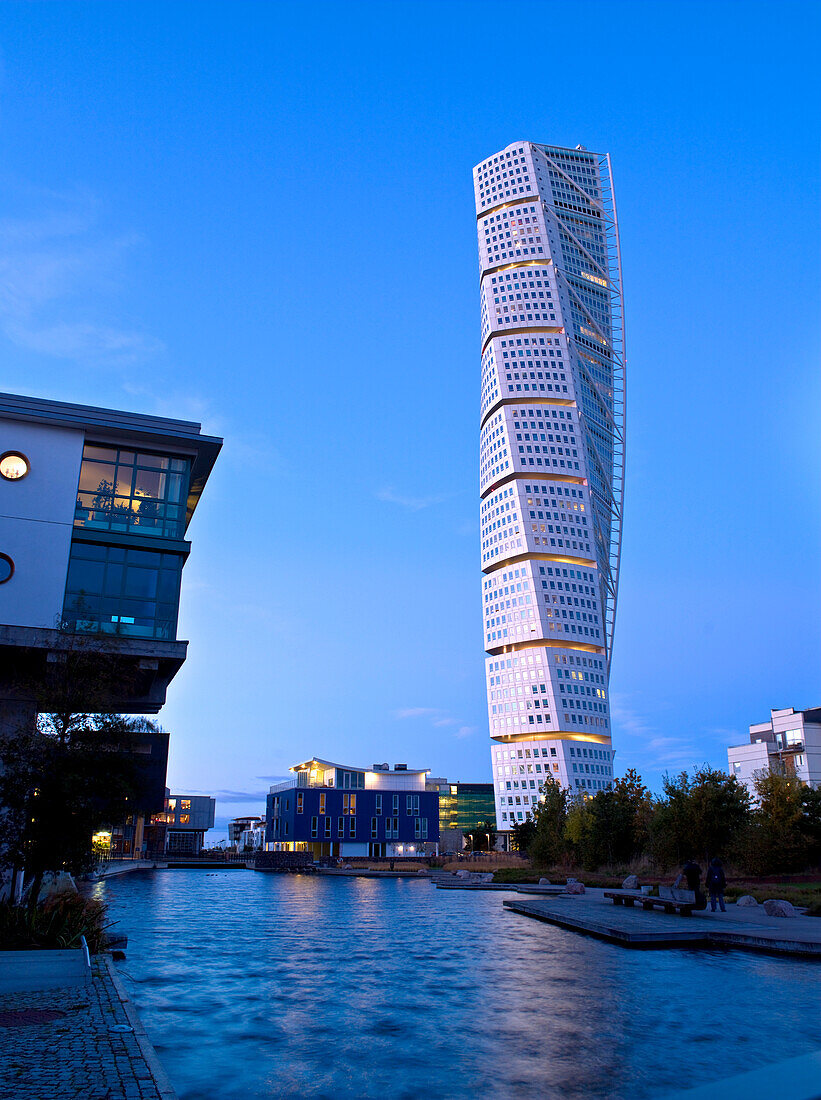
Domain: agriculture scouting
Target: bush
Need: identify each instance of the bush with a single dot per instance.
(59, 922)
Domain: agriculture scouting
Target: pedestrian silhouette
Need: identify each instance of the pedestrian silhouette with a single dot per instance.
(716, 884)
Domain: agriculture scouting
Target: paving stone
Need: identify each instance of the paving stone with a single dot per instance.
(77, 1055)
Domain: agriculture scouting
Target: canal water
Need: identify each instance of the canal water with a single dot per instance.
(263, 985)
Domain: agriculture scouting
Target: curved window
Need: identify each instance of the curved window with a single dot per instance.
(13, 466)
(6, 568)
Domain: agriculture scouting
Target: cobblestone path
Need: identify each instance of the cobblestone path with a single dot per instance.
(96, 1049)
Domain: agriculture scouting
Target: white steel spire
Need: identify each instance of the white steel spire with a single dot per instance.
(551, 465)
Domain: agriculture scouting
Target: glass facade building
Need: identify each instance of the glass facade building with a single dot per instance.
(552, 448)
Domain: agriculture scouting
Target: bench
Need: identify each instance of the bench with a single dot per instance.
(670, 900)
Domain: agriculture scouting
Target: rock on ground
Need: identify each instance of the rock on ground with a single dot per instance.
(544, 882)
(777, 908)
(746, 900)
(630, 883)
(574, 888)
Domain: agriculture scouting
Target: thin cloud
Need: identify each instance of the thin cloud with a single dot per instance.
(413, 504)
(51, 262)
(440, 719)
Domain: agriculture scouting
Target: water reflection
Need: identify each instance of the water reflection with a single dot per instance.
(255, 985)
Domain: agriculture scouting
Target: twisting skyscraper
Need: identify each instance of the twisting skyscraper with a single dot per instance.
(551, 465)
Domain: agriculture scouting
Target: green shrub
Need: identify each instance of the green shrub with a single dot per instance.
(59, 922)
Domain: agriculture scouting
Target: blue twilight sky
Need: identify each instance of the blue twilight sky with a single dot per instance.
(260, 216)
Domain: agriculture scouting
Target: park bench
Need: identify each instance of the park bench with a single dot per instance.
(669, 899)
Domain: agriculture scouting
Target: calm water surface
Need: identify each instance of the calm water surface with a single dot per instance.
(262, 985)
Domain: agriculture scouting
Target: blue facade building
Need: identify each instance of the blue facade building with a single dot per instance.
(337, 810)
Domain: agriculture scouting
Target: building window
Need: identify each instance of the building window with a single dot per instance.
(417, 828)
(129, 491)
(424, 821)
(300, 802)
(314, 827)
(352, 826)
(412, 805)
(340, 827)
(13, 466)
(736, 767)
(395, 805)
(185, 819)
(322, 803)
(348, 804)
(185, 803)
(6, 568)
(327, 828)
(379, 805)
(112, 590)
(374, 832)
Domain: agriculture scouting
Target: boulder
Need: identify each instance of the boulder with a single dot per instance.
(630, 883)
(777, 908)
(486, 876)
(574, 887)
(463, 874)
(544, 882)
(746, 900)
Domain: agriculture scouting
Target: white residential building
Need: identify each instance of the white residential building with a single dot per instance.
(790, 742)
(551, 465)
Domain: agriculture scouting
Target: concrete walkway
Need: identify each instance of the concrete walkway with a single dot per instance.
(596, 915)
(87, 1042)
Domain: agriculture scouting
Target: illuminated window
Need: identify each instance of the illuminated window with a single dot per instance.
(300, 802)
(185, 819)
(13, 466)
(322, 803)
(125, 490)
(185, 804)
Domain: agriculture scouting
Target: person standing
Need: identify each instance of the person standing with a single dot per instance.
(716, 883)
(691, 872)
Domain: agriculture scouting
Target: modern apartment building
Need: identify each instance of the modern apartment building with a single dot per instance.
(94, 509)
(335, 810)
(552, 440)
(239, 825)
(181, 827)
(789, 743)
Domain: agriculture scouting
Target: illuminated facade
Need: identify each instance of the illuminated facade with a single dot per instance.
(551, 465)
(335, 810)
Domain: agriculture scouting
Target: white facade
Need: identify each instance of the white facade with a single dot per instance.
(551, 465)
(789, 742)
(36, 521)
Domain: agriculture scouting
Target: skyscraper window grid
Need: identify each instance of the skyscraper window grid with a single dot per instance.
(551, 461)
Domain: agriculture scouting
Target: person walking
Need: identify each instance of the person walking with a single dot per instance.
(716, 883)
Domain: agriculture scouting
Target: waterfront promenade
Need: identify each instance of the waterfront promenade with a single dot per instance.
(751, 928)
(86, 1042)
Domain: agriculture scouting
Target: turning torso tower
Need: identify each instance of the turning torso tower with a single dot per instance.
(551, 465)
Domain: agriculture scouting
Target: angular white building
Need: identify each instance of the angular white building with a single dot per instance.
(551, 465)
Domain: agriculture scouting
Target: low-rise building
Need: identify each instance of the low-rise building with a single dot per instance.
(464, 806)
(336, 810)
(790, 742)
(252, 839)
(182, 826)
(238, 825)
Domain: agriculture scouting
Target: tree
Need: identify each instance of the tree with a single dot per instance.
(699, 816)
(784, 833)
(550, 816)
(60, 784)
(73, 769)
(524, 833)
